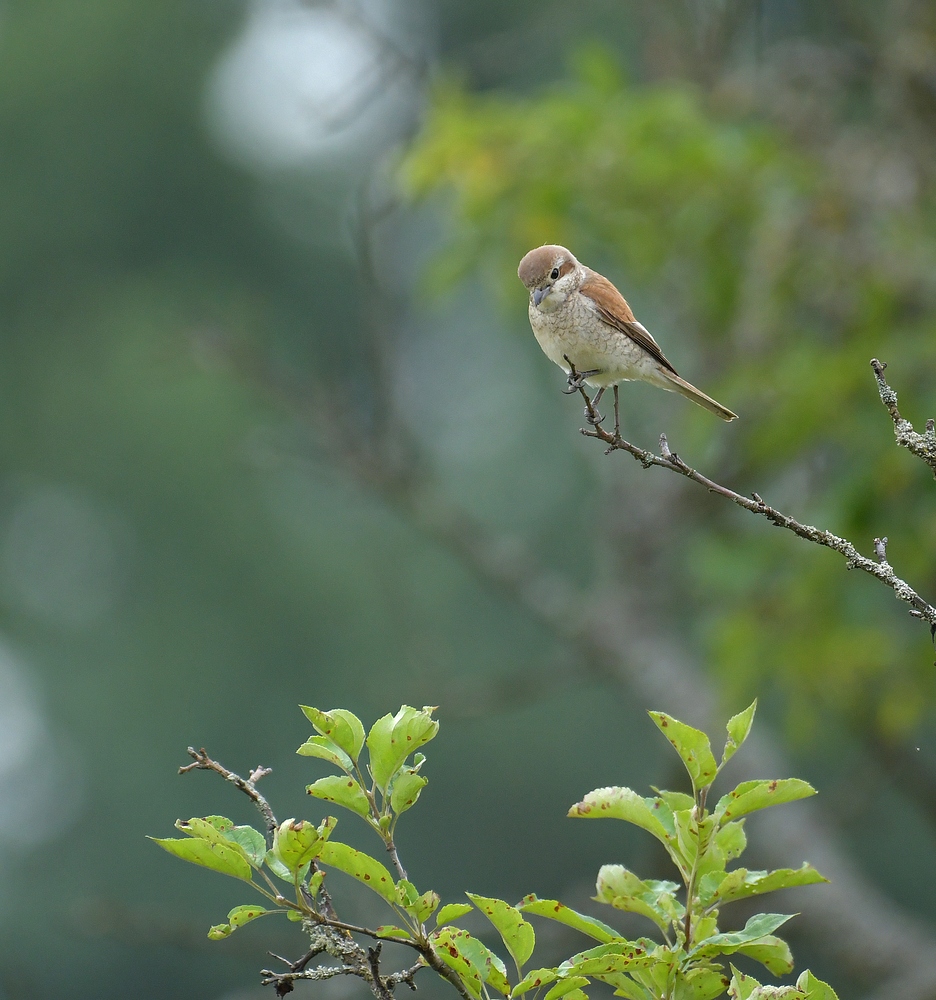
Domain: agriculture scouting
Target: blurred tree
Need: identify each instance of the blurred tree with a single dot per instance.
(790, 272)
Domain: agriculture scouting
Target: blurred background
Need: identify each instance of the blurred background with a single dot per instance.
(275, 430)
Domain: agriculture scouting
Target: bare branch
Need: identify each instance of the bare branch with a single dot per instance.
(395, 858)
(921, 445)
(248, 786)
(668, 459)
(283, 981)
(377, 983)
(333, 922)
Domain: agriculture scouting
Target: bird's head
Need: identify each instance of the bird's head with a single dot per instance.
(551, 273)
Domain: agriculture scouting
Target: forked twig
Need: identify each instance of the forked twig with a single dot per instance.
(247, 785)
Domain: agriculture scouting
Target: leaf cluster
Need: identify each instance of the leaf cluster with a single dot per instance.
(680, 962)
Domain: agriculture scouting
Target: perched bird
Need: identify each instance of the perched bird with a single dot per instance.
(578, 316)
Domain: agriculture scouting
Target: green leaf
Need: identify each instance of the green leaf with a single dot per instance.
(675, 800)
(730, 842)
(626, 804)
(425, 906)
(704, 983)
(518, 935)
(281, 871)
(315, 883)
(295, 916)
(815, 989)
(565, 986)
(554, 910)
(705, 927)
(533, 980)
(482, 960)
(750, 796)
(605, 959)
(361, 866)
(627, 987)
(220, 824)
(693, 836)
(326, 749)
(209, 828)
(220, 857)
(251, 841)
(708, 884)
(220, 931)
(340, 726)
(497, 974)
(657, 974)
(449, 944)
(616, 880)
(405, 789)
(623, 890)
(241, 915)
(757, 926)
(420, 907)
(343, 790)
(298, 842)
(772, 952)
(356, 743)
(738, 728)
(393, 738)
(755, 940)
(221, 831)
(388, 930)
(693, 747)
(741, 883)
(407, 893)
(744, 987)
(452, 911)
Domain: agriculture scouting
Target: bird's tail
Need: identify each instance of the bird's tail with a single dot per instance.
(688, 390)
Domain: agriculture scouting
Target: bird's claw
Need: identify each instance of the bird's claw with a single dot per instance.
(593, 417)
(576, 380)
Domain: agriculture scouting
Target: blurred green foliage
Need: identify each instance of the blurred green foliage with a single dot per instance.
(787, 280)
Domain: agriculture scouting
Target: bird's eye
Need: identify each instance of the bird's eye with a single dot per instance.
(554, 273)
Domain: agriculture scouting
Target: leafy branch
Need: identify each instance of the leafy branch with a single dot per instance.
(700, 842)
(922, 445)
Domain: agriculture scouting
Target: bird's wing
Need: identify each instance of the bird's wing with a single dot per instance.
(614, 310)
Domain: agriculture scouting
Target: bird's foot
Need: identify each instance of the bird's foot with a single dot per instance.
(591, 411)
(576, 379)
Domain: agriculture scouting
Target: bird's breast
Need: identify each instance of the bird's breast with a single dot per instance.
(578, 332)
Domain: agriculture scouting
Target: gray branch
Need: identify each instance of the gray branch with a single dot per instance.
(921, 445)
(247, 785)
(668, 459)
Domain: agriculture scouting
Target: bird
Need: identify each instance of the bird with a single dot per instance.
(585, 326)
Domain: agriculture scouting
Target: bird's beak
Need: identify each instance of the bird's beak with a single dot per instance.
(539, 294)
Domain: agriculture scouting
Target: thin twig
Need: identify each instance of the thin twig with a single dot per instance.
(378, 986)
(356, 929)
(668, 459)
(283, 981)
(248, 786)
(395, 858)
(921, 445)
